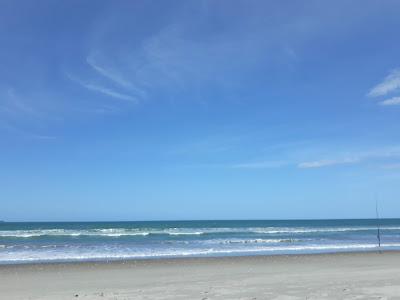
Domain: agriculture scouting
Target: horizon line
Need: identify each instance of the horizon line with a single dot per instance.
(201, 220)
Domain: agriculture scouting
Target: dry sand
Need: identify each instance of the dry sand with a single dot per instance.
(325, 276)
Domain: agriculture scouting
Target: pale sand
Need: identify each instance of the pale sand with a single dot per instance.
(327, 276)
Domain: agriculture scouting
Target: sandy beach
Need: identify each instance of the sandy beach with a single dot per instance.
(324, 276)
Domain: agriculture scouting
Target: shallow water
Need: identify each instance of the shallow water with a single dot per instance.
(43, 242)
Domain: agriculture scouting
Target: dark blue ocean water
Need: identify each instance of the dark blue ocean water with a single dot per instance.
(43, 242)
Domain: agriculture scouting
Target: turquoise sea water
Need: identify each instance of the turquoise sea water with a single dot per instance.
(45, 242)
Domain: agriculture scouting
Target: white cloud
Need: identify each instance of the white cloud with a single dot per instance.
(391, 101)
(261, 165)
(109, 92)
(113, 75)
(174, 59)
(383, 153)
(104, 90)
(327, 163)
(106, 72)
(390, 84)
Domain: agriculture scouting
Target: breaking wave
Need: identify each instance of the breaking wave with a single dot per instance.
(101, 254)
(121, 232)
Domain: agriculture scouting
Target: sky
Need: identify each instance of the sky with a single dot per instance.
(172, 110)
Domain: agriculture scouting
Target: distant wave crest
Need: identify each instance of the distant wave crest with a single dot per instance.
(121, 232)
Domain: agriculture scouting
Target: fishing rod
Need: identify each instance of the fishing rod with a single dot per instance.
(378, 224)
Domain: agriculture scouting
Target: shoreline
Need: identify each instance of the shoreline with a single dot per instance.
(191, 258)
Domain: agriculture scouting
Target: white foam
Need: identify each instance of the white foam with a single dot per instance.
(72, 233)
(120, 232)
(88, 254)
(252, 241)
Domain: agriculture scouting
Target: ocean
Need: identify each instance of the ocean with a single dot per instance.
(105, 241)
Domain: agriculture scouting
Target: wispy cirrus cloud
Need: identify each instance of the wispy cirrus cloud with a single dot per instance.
(113, 75)
(384, 153)
(109, 92)
(104, 90)
(390, 84)
(175, 59)
(327, 163)
(106, 72)
(169, 61)
(391, 101)
(261, 165)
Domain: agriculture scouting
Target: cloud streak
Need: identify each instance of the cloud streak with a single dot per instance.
(327, 163)
(390, 84)
(113, 75)
(383, 153)
(103, 90)
(109, 92)
(391, 101)
(261, 165)
(106, 72)
(175, 59)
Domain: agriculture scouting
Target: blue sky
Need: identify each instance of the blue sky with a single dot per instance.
(142, 110)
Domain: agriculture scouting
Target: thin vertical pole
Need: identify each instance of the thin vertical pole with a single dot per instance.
(378, 224)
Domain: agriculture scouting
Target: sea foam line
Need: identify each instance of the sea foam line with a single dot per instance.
(120, 232)
(114, 254)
